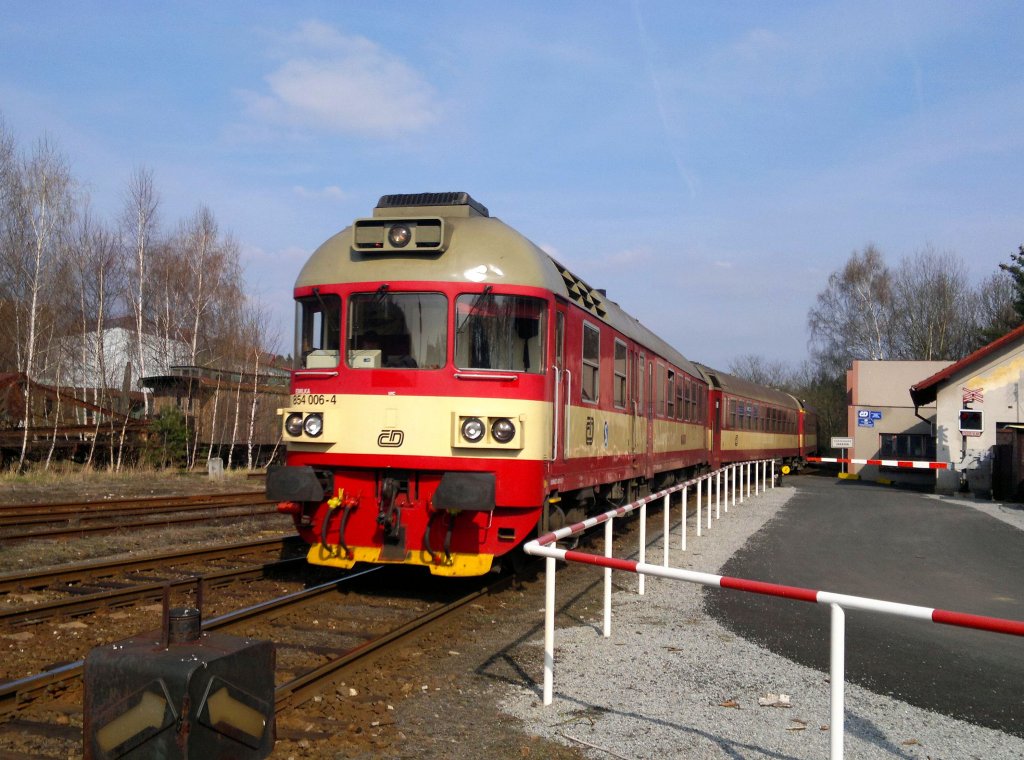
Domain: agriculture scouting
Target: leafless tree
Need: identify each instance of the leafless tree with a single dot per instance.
(46, 191)
(996, 314)
(100, 269)
(12, 235)
(932, 315)
(760, 369)
(139, 222)
(852, 317)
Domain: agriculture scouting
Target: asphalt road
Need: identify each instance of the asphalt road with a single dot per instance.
(867, 540)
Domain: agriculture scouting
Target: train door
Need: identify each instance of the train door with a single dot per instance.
(649, 452)
(560, 395)
(716, 399)
(637, 417)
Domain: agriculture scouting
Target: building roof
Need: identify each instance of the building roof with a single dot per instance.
(925, 391)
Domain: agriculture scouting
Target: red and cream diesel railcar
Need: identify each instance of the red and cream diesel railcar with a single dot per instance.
(455, 387)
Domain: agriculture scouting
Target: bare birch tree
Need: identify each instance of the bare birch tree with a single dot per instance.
(139, 221)
(852, 317)
(100, 268)
(47, 199)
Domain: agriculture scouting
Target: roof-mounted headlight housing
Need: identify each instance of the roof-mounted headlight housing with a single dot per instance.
(399, 235)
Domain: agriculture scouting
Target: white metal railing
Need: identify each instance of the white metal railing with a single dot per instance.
(739, 475)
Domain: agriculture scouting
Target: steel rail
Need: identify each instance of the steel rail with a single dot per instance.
(121, 597)
(301, 688)
(144, 501)
(93, 529)
(291, 694)
(37, 579)
(15, 693)
(41, 515)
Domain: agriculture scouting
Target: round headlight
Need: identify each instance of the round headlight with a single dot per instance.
(399, 236)
(502, 430)
(293, 424)
(314, 425)
(472, 429)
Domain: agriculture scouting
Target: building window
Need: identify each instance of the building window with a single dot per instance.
(918, 446)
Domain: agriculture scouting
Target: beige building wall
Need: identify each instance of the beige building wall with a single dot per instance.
(879, 393)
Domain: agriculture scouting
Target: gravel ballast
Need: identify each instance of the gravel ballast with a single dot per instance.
(671, 682)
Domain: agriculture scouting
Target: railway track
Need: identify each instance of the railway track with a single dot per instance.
(83, 572)
(305, 663)
(21, 515)
(21, 522)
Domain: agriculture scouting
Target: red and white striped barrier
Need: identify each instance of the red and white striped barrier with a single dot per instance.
(885, 462)
(544, 546)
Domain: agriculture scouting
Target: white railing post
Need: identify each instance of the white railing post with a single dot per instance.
(549, 628)
(709, 501)
(700, 491)
(608, 579)
(757, 478)
(837, 675)
(643, 546)
(735, 472)
(683, 543)
(665, 529)
(718, 495)
(773, 473)
(743, 480)
(725, 477)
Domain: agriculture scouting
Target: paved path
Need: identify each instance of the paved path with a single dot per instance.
(901, 546)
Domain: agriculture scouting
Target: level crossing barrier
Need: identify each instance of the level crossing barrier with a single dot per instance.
(747, 479)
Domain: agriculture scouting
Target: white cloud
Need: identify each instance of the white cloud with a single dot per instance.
(345, 84)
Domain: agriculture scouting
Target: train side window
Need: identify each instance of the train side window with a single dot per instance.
(670, 396)
(317, 331)
(660, 410)
(679, 397)
(732, 414)
(560, 340)
(591, 374)
(640, 383)
(620, 374)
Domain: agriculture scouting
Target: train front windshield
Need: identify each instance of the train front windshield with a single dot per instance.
(398, 330)
(499, 332)
(410, 331)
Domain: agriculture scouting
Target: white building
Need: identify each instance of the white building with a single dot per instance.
(976, 398)
(73, 361)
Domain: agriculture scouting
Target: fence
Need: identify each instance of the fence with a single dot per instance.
(739, 476)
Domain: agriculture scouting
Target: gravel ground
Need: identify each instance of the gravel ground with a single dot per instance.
(672, 683)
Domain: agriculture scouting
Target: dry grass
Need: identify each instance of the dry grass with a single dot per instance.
(66, 481)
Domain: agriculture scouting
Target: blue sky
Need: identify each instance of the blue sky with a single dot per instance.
(708, 163)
